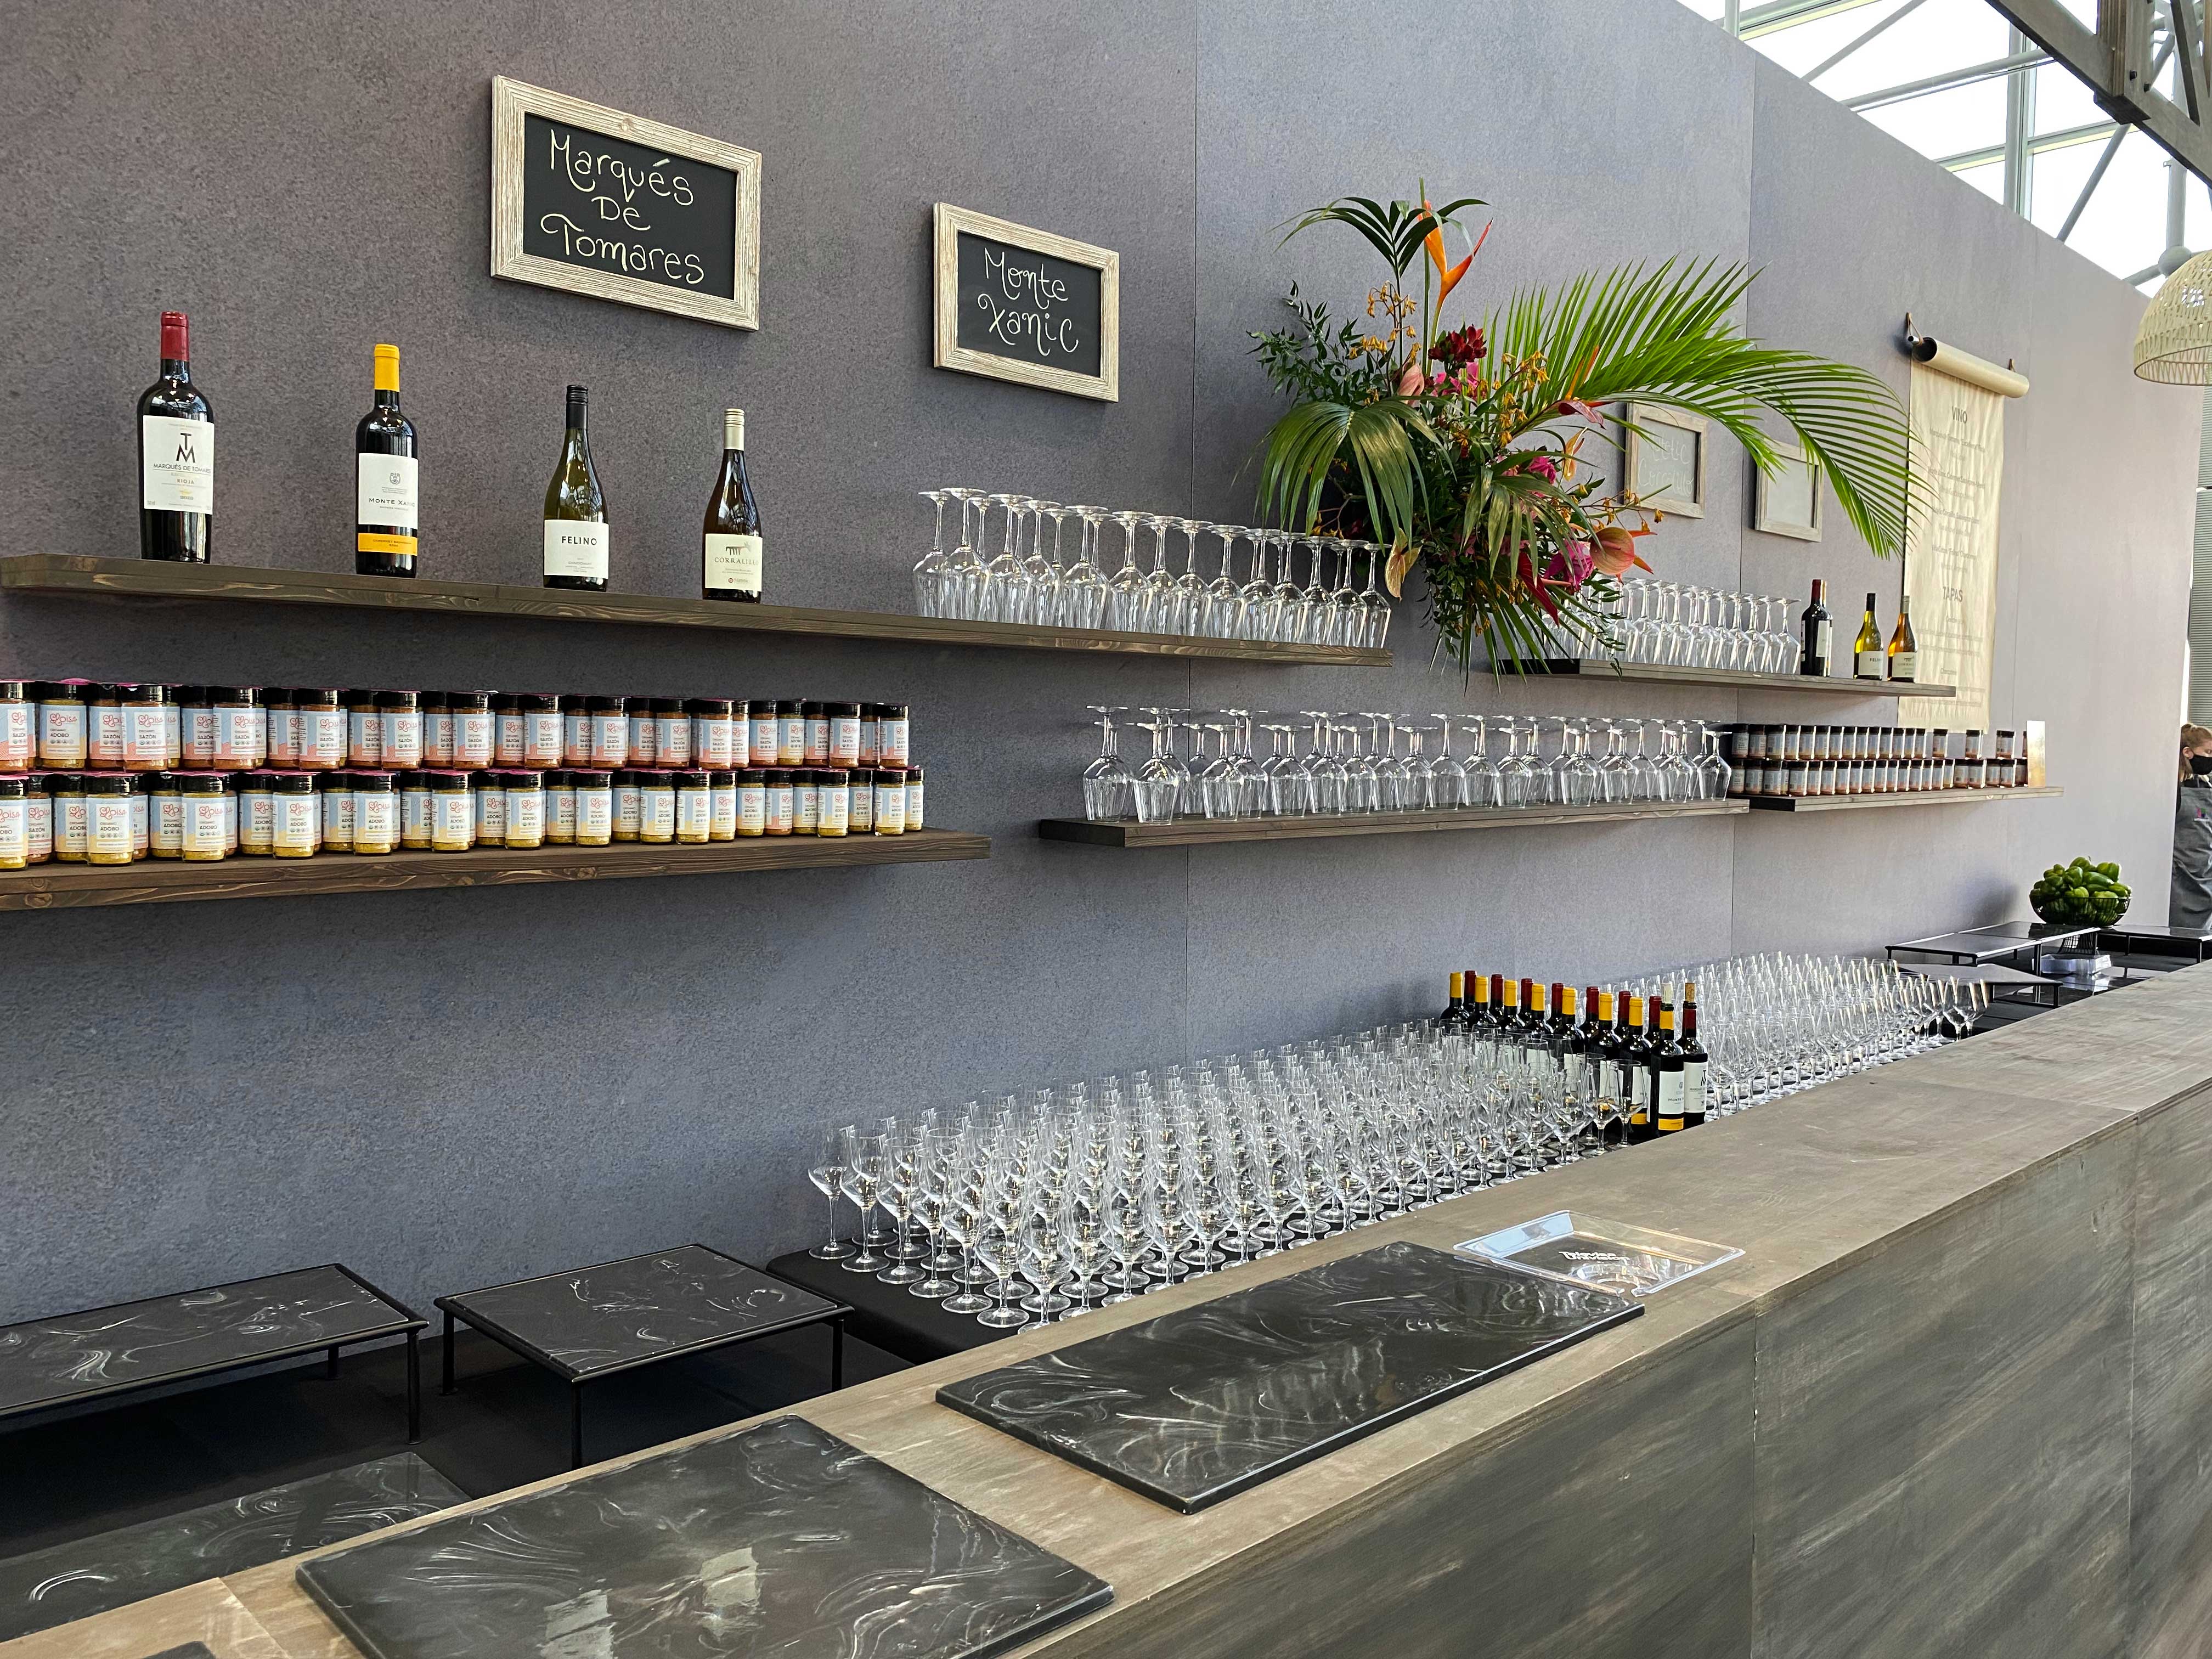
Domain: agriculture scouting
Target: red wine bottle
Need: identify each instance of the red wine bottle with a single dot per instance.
(387, 528)
(176, 457)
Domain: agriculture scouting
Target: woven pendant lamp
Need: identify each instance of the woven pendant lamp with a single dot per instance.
(2174, 344)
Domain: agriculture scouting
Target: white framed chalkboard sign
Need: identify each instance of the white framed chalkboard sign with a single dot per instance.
(600, 202)
(1024, 305)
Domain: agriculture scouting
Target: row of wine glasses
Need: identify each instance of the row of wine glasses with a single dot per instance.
(1027, 581)
(1329, 764)
(1686, 626)
(1036, 1208)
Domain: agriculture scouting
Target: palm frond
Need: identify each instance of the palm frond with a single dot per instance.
(1395, 231)
(1377, 441)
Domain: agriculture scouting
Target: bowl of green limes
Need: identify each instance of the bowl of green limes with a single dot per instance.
(2079, 894)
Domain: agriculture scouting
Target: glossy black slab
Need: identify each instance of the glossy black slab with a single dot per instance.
(190, 1651)
(77, 1356)
(641, 1309)
(780, 1540)
(52, 1586)
(1208, 1401)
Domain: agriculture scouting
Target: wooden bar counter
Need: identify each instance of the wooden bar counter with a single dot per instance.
(1952, 1400)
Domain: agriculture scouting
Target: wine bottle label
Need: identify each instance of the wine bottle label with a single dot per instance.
(179, 470)
(1824, 639)
(575, 548)
(1693, 1088)
(1870, 664)
(1904, 665)
(733, 564)
(384, 494)
(1670, 1092)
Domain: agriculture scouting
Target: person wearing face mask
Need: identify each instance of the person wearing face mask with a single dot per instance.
(2192, 905)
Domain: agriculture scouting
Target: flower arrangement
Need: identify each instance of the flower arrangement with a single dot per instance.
(1464, 449)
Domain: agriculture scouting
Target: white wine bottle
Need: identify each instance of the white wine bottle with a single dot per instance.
(1904, 645)
(730, 545)
(576, 510)
(1867, 660)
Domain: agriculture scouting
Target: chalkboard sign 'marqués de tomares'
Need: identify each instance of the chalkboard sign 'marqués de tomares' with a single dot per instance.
(619, 208)
(1024, 305)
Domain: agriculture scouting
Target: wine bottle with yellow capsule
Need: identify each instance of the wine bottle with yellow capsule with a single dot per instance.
(386, 527)
(1904, 647)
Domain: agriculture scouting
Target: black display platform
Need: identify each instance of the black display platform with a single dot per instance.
(890, 1316)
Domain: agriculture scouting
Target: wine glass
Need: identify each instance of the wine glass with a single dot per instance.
(1374, 625)
(1107, 788)
(1190, 587)
(1224, 611)
(1002, 576)
(1083, 590)
(1303, 612)
(864, 1185)
(962, 588)
(1343, 617)
(1040, 577)
(1162, 599)
(929, 569)
(828, 1174)
(1125, 591)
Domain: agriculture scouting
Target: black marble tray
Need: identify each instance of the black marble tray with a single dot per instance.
(780, 1541)
(1206, 1402)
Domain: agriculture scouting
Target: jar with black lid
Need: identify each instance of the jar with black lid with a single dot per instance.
(401, 713)
(143, 712)
(779, 800)
(913, 799)
(752, 803)
(375, 812)
(722, 823)
(805, 801)
(67, 789)
(489, 790)
(656, 807)
(760, 733)
(165, 815)
(871, 749)
(364, 729)
(844, 720)
(414, 787)
(319, 728)
(860, 800)
(695, 807)
(280, 713)
(609, 737)
(890, 801)
(576, 731)
(833, 801)
(526, 810)
(107, 798)
(891, 734)
(595, 807)
(816, 716)
(790, 733)
(642, 745)
(452, 817)
(715, 739)
(141, 791)
(506, 729)
(39, 815)
(437, 729)
(296, 831)
(206, 813)
(474, 738)
(61, 725)
(561, 807)
(103, 727)
(241, 727)
(544, 728)
(15, 823)
(335, 790)
(626, 808)
(671, 734)
(19, 722)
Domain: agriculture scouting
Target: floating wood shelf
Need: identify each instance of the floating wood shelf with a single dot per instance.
(52, 572)
(1734, 680)
(1909, 797)
(1204, 832)
(62, 886)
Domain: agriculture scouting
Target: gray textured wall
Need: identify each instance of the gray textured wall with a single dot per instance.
(446, 1089)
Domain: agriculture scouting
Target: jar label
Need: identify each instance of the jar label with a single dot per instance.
(752, 809)
(806, 808)
(16, 742)
(913, 805)
(38, 815)
(168, 825)
(818, 742)
(506, 748)
(595, 815)
(717, 741)
(891, 738)
(860, 809)
(295, 822)
(364, 737)
(835, 813)
(104, 734)
(61, 733)
(891, 808)
(69, 822)
(656, 811)
(403, 737)
(242, 734)
(109, 826)
(845, 740)
(337, 818)
(722, 823)
(626, 809)
(542, 742)
(561, 813)
(14, 829)
(644, 742)
(790, 740)
(492, 815)
(526, 813)
(451, 819)
(694, 812)
(258, 827)
(575, 740)
(322, 737)
(610, 740)
(778, 809)
(374, 813)
(205, 828)
(472, 744)
(672, 739)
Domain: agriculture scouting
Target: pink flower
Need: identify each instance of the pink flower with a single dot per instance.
(1616, 549)
(1571, 567)
(1410, 382)
(1544, 467)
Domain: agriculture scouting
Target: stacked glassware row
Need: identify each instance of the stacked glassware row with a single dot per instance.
(1682, 626)
(1093, 1191)
(1026, 582)
(1333, 764)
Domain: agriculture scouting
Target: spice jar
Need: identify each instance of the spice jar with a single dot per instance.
(437, 715)
(833, 806)
(489, 790)
(561, 807)
(760, 730)
(375, 812)
(861, 799)
(844, 718)
(39, 817)
(401, 714)
(229, 810)
(914, 820)
(544, 728)
(144, 711)
(19, 740)
(103, 727)
(415, 810)
(626, 806)
(70, 822)
(165, 813)
(671, 733)
(257, 814)
(805, 801)
(890, 801)
(298, 823)
(473, 737)
(891, 733)
(608, 736)
(595, 808)
(282, 715)
(141, 838)
(15, 823)
(319, 716)
(722, 825)
(453, 819)
(106, 805)
(526, 810)
(195, 745)
(576, 731)
(62, 725)
(336, 789)
(695, 807)
(871, 749)
(206, 832)
(790, 732)
(364, 730)
(241, 727)
(656, 807)
(506, 729)
(752, 803)
(779, 801)
(714, 739)
(643, 745)
(816, 716)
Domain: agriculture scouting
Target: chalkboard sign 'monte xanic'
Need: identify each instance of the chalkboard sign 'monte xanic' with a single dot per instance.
(1025, 305)
(597, 202)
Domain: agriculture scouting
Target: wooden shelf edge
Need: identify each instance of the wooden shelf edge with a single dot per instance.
(1602, 668)
(71, 574)
(1203, 832)
(73, 887)
(1916, 797)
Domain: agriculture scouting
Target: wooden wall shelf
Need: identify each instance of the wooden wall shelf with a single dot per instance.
(64, 886)
(53, 572)
(1910, 798)
(1596, 668)
(1205, 832)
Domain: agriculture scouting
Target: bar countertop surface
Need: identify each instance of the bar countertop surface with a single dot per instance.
(1806, 1187)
